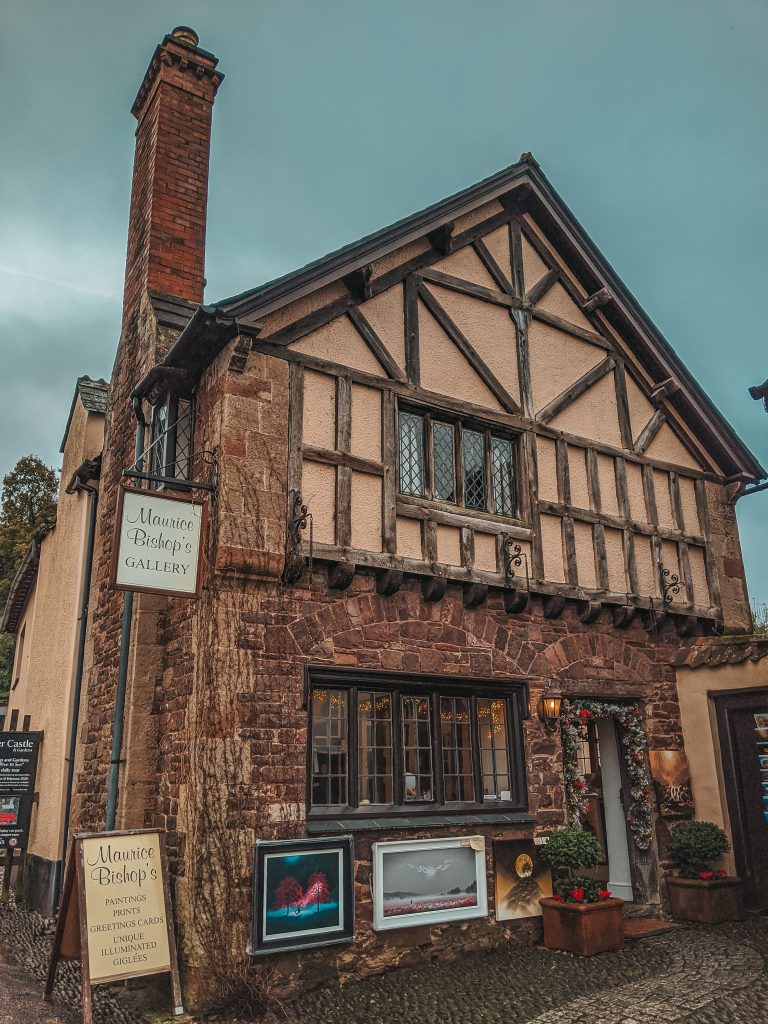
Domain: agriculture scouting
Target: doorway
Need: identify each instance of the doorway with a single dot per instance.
(600, 765)
(742, 720)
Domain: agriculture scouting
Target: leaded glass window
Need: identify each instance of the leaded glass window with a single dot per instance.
(457, 463)
(443, 462)
(412, 477)
(503, 474)
(170, 451)
(455, 726)
(492, 716)
(473, 448)
(374, 730)
(417, 745)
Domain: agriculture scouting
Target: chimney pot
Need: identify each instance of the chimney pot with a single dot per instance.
(185, 34)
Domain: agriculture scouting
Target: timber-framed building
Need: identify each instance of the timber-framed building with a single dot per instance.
(455, 465)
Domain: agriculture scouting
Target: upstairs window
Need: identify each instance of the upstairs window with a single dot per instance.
(457, 463)
(170, 451)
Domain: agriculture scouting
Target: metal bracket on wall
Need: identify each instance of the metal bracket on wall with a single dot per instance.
(670, 583)
(514, 556)
(297, 522)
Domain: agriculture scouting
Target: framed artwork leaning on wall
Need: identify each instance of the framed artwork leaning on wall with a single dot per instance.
(426, 881)
(303, 894)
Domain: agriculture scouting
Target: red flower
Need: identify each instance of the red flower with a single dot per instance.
(585, 714)
(578, 784)
(705, 875)
(604, 894)
(722, 873)
(577, 894)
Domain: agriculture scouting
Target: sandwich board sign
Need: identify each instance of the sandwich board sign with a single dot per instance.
(115, 915)
(158, 546)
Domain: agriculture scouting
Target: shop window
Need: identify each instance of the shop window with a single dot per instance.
(457, 463)
(170, 450)
(403, 746)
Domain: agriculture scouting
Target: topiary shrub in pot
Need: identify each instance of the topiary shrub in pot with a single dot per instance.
(582, 916)
(702, 891)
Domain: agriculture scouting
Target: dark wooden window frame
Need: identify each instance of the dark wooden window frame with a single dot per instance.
(164, 462)
(430, 415)
(514, 692)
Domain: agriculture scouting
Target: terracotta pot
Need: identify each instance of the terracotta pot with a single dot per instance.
(583, 928)
(707, 900)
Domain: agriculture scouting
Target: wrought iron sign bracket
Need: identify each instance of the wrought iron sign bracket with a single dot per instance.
(514, 556)
(670, 583)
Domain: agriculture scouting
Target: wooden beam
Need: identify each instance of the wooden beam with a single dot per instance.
(601, 557)
(295, 426)
(569, 552)
(622, 404)
(521, 321)
(676, 503)
(311, 322)
(474, 594)
(411, 321)
(333, 458)
(389, 485)
(358, 283)
(376, 345)
(649, 431)
(433, 588)
(516, 258)
(532, 501)
(576, 390)
(340, 575)
(622, 616)
(388, 581)
(480, 367)
(585, 515)
(493, 268)
(440, 239)
(467, 546)
(423, 508)
(343, 473)
(542, 286)
(475, 291)
(589, 611)
(665, 389)
(553, 605)
(628, 536)
(593, 480)
(515, 601)
(684, 568)
(599, 298)
(649, 493)
(568, 328)
(563, 470)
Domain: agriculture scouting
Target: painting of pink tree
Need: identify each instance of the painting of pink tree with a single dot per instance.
(287, 894)
(303, 893)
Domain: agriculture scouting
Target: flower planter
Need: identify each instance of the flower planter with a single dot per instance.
(583, 928)
(708, 901)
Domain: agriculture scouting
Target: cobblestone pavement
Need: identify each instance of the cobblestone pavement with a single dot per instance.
(691, 976)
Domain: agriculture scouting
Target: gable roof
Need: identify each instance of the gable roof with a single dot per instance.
(22, 585)
(522, 187)
(93, 394)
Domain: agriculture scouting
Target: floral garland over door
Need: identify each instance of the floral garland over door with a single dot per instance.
(576, 713)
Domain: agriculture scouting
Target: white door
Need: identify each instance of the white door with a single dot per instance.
(619, 877)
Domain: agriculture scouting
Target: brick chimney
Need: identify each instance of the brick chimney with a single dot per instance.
(169, 194)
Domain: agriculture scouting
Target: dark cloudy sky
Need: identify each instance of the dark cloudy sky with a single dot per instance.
(338, 117)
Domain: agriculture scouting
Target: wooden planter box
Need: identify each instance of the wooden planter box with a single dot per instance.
(706, 900)
(583, 928)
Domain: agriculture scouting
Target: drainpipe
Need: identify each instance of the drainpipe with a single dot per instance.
(125, 642)
(78, 484)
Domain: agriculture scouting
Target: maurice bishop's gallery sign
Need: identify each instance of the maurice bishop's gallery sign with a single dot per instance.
(158, 543)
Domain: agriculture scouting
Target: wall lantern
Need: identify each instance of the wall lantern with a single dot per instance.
(548, 708)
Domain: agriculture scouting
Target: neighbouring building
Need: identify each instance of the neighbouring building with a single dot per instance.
(47, 610)
(455, 465)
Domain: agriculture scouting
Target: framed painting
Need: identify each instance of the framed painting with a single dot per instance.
(521, 878)
(426, 881)
(303, 894)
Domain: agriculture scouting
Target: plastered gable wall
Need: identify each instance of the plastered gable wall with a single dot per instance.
(628, 517)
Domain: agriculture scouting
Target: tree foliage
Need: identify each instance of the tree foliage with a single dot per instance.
(288, 892)
(27, 509)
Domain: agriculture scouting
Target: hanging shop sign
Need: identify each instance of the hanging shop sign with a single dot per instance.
(115, 915)
(427, 881)
(18, 761)
(15, 816)
(303, 894)
(158, 544)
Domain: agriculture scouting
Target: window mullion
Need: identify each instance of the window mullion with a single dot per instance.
(514, 748)
(169, 445)
(477, 763)
(398, 740)
(458, 460)
(437, 751)
(353, 753)
(429, 462)
(489, 500)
